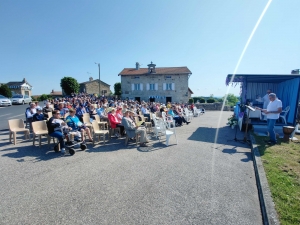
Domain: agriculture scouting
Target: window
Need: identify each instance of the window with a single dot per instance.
(152, 87)
(169, 86)
(168, 77)
(136, 87)
(135, 77)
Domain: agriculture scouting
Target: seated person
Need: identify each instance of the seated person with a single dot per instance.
(39, 116)
(119, 113)
(179, 114)
(145, 111)
(80, 111)
(55, 125)
(30, 111)
(92, 112)
(102, 113)
(115, 122)
(73, 121)
(37, 106)
(132, 129)
(47, 109)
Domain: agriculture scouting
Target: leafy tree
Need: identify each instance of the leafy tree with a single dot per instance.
(44, 97)
(202, 100)
(69, 85)
(117, 88)
(191, 100)
(231, 99)
(210, 100)
(4, 90)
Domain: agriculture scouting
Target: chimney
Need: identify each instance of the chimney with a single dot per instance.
(52, 91)
(90, 79)
(24, 80)
(137, 66)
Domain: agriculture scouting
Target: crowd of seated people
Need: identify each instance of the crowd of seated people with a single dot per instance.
(114, 110)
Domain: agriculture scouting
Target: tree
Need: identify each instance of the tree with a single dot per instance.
(44, 97)
(4, 90)
(117, 88)
(191, 100)
(231, 99)
(69, 85)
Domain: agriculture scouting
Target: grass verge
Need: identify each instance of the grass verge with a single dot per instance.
(282, 166)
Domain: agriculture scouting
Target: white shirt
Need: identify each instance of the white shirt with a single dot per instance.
(273, 106)
(266, 101)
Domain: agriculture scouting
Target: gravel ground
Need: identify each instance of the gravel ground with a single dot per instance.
(202, 180)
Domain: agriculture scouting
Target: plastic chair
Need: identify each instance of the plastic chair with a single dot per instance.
(87, 122)
(102, 124)
(156, 127)
(40, 128)
(167, 133)
(284, 114)
(148, 125)
(196, 112)
(110, 129)
(98, 132)
(17, 125)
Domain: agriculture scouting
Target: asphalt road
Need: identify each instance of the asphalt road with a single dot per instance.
(12, 112)
(205, 179)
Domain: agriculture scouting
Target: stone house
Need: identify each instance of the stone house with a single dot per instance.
(156, 84)
(92, 87)
(56, 94)
(20, 87)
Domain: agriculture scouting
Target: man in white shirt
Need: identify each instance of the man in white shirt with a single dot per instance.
(272, 112)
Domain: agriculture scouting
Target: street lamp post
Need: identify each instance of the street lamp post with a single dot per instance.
(99, 77)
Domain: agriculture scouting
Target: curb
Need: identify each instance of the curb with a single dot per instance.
(269, 214)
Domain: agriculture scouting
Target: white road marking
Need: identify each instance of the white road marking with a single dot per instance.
(5, 114)
(23, 114)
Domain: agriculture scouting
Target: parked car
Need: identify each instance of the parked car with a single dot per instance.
(20, 99)
(4, 101)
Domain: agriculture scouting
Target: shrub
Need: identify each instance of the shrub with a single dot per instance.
(202, 100)
(211, 100)
(191, 100)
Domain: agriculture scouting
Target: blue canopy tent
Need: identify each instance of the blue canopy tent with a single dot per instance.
(285, 86)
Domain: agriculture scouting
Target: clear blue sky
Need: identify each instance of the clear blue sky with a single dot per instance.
(44, 41)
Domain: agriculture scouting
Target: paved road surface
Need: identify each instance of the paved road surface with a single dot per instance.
(12, 112)
(195, 182)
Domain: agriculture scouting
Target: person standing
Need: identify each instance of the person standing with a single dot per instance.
(266, 102)
(272, 112)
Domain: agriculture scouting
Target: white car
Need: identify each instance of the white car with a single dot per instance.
(20, 99)
(4, 101)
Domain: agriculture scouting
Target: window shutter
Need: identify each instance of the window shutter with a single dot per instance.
(156, 86)
(147, 87)
(141, 86)
(132, 87)
(173, 86)
(164, 86)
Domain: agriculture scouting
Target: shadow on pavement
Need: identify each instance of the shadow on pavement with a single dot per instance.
(234, 151)
(208, 134)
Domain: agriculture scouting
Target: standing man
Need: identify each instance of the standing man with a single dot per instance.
(272, 112)
(266, 101)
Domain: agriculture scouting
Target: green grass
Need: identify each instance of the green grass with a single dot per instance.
(282, 166)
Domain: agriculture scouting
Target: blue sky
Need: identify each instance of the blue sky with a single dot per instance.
(44, 41)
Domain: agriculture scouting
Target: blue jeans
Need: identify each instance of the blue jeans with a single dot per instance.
(60, 136)
(271, 129)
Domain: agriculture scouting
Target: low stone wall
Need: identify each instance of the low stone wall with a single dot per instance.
(212, 106)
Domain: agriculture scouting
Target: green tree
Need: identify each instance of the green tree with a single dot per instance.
(4, 90)
(191, 100)
(117, 88)
(44, 97)
(231, 99)
(69, 85)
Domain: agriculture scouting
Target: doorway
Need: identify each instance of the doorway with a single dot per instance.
(138, 99)
(152, 99)
(168, 99)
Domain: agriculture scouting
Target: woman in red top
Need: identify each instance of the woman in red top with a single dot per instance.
(115, 121)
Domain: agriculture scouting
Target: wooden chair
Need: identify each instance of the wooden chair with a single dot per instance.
(148, 125)
(127, 139)
(110, 129)
(87, 121)
(102, 124)
(17, 125)
(40, 128)
(98, 132)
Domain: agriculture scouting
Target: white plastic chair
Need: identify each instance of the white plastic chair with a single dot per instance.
(187, 115)
(196, 112)
(284, 114)
(167, 133)
(156, 127)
